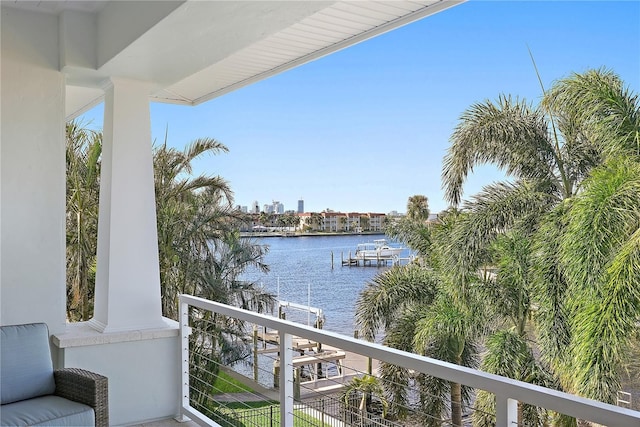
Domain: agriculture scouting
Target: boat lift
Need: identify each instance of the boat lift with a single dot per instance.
(301, 307)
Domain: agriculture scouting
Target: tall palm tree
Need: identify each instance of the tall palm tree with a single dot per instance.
(342, 223)
(510, 292)
(420, 310)
(418, 208)
(365, 222)
(448, 330)
(83, 149)
(573, 161)
(598, 242)
(200, 252)
(525, 143)
(412, 229)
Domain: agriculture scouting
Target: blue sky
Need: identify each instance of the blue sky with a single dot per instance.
(367, 127)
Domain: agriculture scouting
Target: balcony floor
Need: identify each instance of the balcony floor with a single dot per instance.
(170, 422)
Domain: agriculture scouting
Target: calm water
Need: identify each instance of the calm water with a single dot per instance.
(302, 265)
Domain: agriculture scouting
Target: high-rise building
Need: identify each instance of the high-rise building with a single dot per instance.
(256, 207)
(278, 207)
(300, 205)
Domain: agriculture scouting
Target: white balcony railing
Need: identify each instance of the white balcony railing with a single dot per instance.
(508, 392)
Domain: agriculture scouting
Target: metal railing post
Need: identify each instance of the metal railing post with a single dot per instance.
(185, 331)
(286, 379)
(506, 411)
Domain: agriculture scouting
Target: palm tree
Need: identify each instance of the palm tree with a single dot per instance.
(600, 254)
(265, 219)
(522, 141)
(418, 207)
(449, 330)
(390, 304)
(316, 220)
(364, 390)
(574, 164)
(510, 292)
(413, 229)
(83, 149)
(292, 220)
(365, 222)
(200, 251)
(597, 236)
(421, 310)
(343, 223)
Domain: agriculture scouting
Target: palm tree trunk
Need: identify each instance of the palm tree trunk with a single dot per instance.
(456, 404)
(520, 414)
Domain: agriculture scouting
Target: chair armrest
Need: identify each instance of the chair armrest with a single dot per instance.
(85, 387)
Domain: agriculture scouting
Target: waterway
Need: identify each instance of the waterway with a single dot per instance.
(301, 271)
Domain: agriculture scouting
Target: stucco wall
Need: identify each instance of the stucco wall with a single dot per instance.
(32, 171)
(144, 376)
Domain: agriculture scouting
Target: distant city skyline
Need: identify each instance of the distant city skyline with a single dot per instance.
(367, 127)
(262, 207)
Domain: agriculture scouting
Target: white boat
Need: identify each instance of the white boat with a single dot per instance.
(378, 249)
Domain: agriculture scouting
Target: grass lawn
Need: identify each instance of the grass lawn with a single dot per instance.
(225, 384)
(262, 414)
(240, 414)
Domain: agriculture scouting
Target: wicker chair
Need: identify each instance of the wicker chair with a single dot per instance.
(32, 392)
(85, 387)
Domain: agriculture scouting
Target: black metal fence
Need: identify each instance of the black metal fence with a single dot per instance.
(324, 412)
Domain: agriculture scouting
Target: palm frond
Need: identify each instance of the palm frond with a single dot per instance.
(498, 208)
(603, 270)
(601, 218)
(607, 111)
(508, 133)
(551, 293)
(382, 299)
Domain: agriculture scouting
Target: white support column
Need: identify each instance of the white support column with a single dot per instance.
(127, 293)
(286, 379)
(506, 411)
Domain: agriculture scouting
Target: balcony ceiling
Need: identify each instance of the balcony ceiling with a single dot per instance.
(194, 51)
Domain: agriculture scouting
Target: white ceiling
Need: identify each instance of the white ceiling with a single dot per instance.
(57, 6)
(193, 51)
(331, 28)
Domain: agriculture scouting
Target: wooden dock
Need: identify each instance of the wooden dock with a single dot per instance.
(315, 358)
(318, 367)
(374, 261)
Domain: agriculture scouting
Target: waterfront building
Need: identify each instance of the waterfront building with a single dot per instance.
(353, 222)
(376, 221)
(309, 221)
(331, 221)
